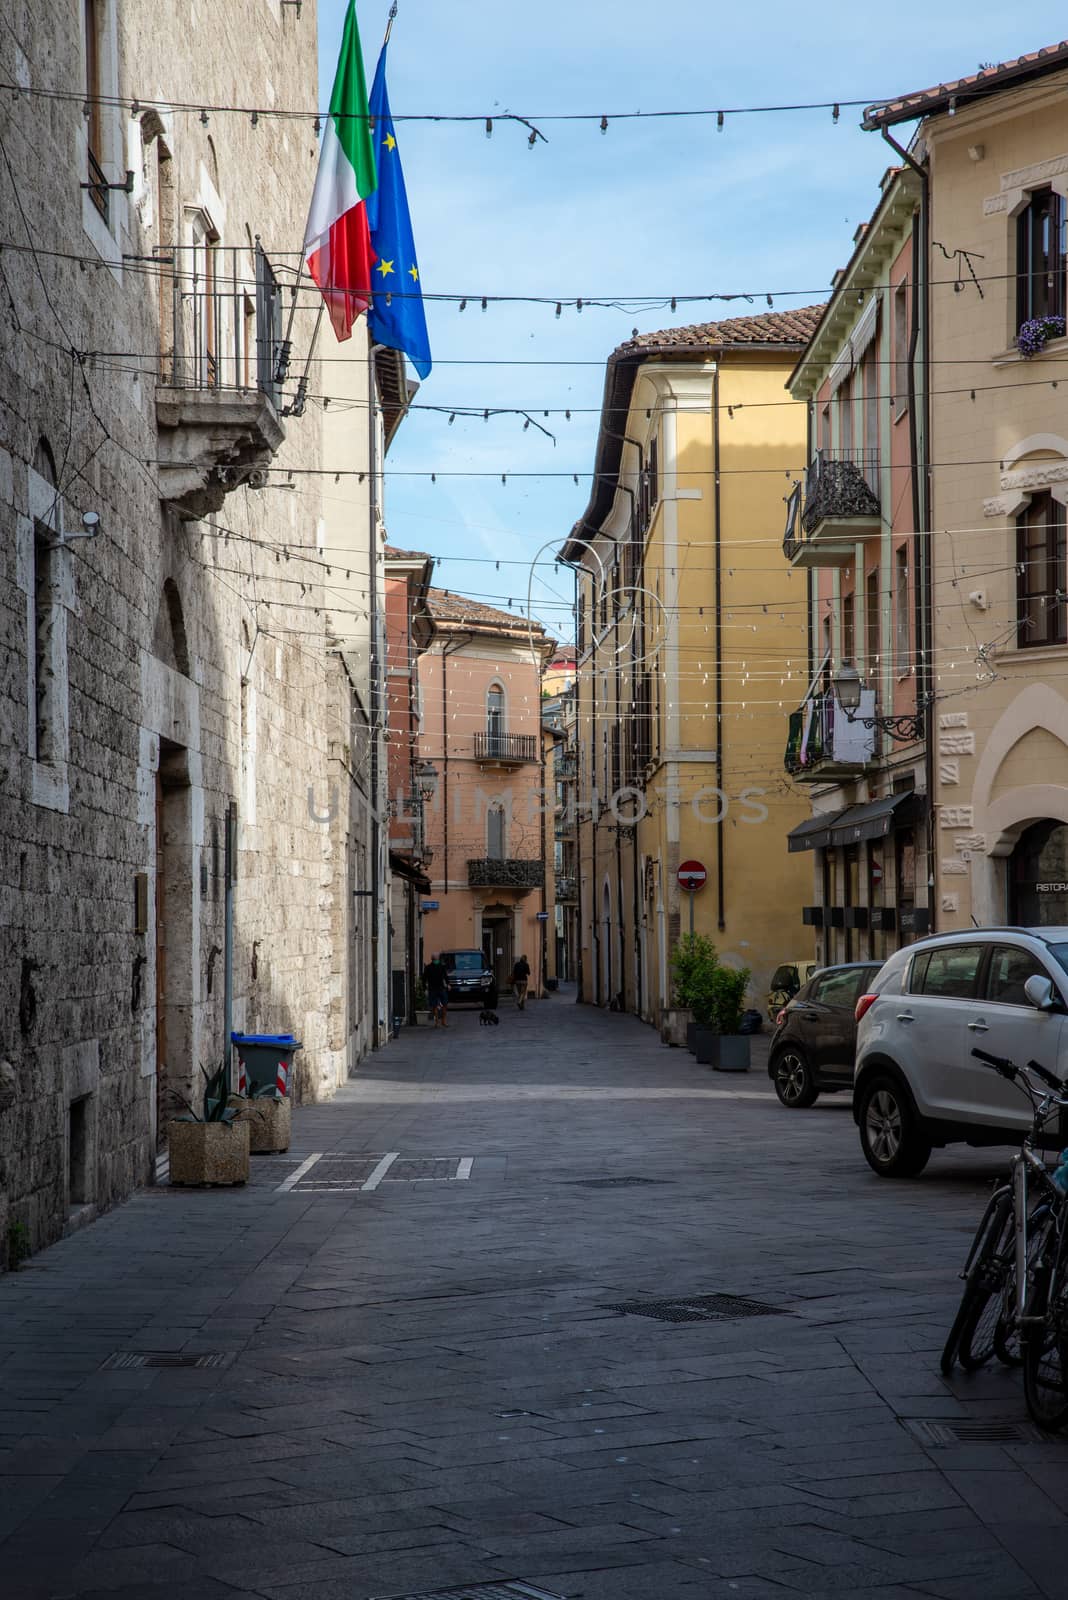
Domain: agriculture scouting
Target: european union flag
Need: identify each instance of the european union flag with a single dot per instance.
(395, 316)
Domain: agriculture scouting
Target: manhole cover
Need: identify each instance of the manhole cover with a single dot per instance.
(613, 1183)
(125, 1360)
(698, 1308)
(422, 1170)
(938, 1432)
(334, 1172)
(480, 1591)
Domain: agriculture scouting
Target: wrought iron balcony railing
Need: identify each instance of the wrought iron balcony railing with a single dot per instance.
(511, 749)
(842, 485)
(566, 887)
(505, 872)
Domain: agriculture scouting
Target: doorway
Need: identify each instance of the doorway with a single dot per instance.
(1038, 876)
(497, 943)
(175, 1063)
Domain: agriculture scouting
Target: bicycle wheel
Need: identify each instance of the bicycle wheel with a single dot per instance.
(972, 1336)
(1008, 1345)
(1045, 1349)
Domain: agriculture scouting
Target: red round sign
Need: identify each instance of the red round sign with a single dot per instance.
(692, 875)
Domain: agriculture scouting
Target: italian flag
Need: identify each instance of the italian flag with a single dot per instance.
(337, 243)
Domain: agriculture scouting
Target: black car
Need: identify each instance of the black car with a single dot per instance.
(471, 982)
(815, 1038)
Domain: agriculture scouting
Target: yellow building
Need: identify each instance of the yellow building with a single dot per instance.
(692, 646)
(992, 151)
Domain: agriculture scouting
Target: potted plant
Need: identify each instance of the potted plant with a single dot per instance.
(210, 1145)
(422, 1011)
(269, 1115)
(691, 961)
(718, 1009)
(1033, 334)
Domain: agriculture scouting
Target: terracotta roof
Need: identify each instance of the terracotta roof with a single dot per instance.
(393, 554)
(767, 327)
(444, 606)
(988, 80)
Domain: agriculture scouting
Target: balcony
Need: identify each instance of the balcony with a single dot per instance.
(218, 401)
(841, 505)
(823, 746)
(505, 872)
(507, 749)
(566, 767)
(566, 888)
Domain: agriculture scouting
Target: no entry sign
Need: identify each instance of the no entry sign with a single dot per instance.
(692, 876)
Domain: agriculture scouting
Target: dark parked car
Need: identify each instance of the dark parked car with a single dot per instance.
(815, 1038)
(470, 980)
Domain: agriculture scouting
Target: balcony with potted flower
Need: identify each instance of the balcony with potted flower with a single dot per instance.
(825, 744)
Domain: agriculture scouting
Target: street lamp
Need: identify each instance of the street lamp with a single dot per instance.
(426, 778)
(848, 686)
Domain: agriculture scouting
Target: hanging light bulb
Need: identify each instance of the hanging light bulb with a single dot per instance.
(719, 121)
(489, 127)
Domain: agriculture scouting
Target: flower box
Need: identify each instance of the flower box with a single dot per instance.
(208, 1152)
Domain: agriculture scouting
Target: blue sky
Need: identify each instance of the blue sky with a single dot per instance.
(649, 208)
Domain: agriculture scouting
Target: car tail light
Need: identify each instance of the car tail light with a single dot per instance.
(864, 1005)
(780, 1018)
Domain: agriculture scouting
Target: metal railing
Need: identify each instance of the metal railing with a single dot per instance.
(566, 887)
(841, 483)
(505, 872)
(811, 743)
(224, 330)
(508, 747)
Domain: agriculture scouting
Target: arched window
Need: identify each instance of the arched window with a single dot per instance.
(495, 719)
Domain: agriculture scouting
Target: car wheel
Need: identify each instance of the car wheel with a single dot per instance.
(890, 1138)
(792, 1077)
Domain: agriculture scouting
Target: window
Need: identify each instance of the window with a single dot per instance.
(94, 121)
(1040, 582)
(849, 635)
(1040, 257)
(901, 610)
(901, 348)
(950, 972)
(204, 291)
(1010, 968)
(870, 376)
(871, 622)
(43, 634)
(841, 989)
(825, 430)
(845, 419)
(495, 833)
(495, 711)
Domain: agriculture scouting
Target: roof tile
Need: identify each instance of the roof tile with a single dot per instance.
(767, 327)
(922, 102)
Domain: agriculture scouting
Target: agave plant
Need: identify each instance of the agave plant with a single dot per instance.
(215, 1106)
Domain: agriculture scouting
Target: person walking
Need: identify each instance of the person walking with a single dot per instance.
(520, 979)
(436, 980)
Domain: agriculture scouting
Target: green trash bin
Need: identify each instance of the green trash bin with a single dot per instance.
(266, 1058)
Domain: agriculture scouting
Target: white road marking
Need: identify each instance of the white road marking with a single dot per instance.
(295, 1177)
(380, 1171)
(464, 1169)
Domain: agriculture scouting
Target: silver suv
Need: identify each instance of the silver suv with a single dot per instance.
(916, 1083)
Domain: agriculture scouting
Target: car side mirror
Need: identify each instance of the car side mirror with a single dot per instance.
(1040, 992)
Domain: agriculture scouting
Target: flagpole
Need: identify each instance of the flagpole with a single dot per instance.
(389, 23)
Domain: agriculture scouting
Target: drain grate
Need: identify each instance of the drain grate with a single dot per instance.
(128, 1360)
(481, 1591)
(422, 1169)
(613, 1183)
(939, 1432)
(698, 1308)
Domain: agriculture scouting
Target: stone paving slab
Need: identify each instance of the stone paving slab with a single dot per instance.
(428, 1386)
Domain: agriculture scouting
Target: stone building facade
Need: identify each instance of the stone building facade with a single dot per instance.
(167, 659)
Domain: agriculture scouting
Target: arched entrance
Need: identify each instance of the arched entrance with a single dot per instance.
(1038, 876)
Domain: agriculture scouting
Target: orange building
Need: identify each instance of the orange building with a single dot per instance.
(480, 698)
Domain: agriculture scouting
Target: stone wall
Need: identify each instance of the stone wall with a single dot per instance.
(184, 663)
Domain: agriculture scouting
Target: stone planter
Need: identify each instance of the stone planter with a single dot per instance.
(422, 1018)
(723, 1052)
(691, 1037)
(269, 1122)
(208, 1152)
(673, 1020)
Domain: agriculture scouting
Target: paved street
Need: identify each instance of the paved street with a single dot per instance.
(423, 1379)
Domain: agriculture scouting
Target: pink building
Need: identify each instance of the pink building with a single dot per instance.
(406, 581)
(491, 819)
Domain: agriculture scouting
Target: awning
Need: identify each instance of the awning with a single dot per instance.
(407, 869)
(815, 833)
(874, 820)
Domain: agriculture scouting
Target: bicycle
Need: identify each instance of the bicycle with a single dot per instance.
(1010, 1271)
